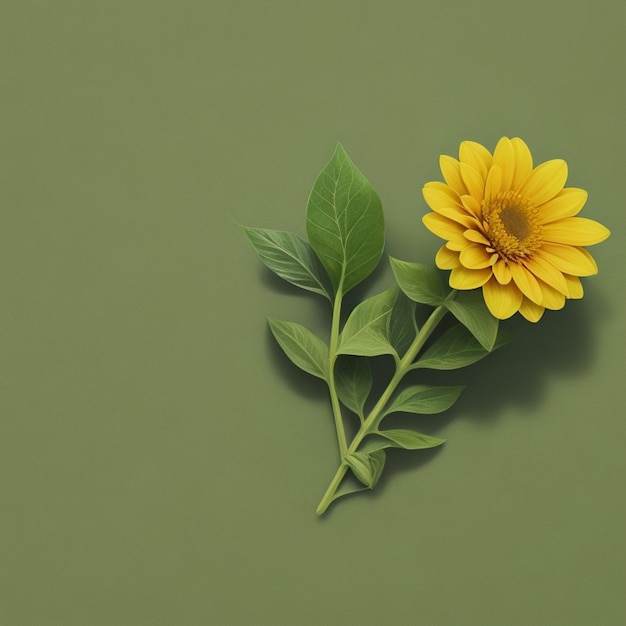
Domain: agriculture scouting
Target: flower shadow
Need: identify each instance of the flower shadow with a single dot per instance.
(519, 374)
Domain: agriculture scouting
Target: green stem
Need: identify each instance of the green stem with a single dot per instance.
(370, 424)
(332, 489)
(334, 398)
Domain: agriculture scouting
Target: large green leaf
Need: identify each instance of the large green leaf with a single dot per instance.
(409, 439)
(456, 348)
(402, 325)
(420, 283)
(365, 331)
(292, 258)
(353, 381)
(345, 224)
(424, 399)
(306, 350)
(470, 309)
(367, 466)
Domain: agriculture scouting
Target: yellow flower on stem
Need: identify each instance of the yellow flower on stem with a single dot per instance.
(511, 228)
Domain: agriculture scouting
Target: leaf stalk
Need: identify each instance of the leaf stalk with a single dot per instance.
(333, 347)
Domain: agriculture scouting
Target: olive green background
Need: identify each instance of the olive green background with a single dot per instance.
(160, 460)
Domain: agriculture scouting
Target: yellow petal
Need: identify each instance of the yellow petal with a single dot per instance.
(446, 259)
(531, 311)
(456, 245)
(464, 278)
(504, 158)
(526, 282)
(473, 181)
(493, 186)
(566, 203)
(472, 205)
(502, 272)
(476, 236)
(551, 298)
(475, 257)
(523, 162)
(575, 231)
(545, 181)
(569, 260)
(438, 195)
(502, 300)
(450, 168)
(575, 286)
(458, 215)
(475, 155)
(544, 270)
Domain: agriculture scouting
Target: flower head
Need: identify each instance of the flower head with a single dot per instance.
(511, 228)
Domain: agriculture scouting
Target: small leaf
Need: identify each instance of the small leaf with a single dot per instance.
(456, 348)
(306, 350)
(410, 440)
(365, 332)
(420, 283)
(367, 466)
(346, 489)
(353, 381)
(345, 223)
(292, 258)
(374, 442)
(470, 309)
(402, 324)
(424, 400)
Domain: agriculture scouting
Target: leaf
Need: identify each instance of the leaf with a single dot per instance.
(365, 331)
(346, 489)
(424, 400)
(306, 350)
(292, 258)
(367, 466)
(374, 442)
(470, 309)
(456, 348)
(410, 440)
(402, 324)
(420, 283)
(353, 381)
(345, 224)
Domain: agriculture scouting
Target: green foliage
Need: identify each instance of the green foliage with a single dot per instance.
(345, 230)
(470, 309)
(421, 283)
(424, 400)
(409, 439)
(367, 466)
(402, 325)
(292, 258)
(306, 350)
(353, 380)
(366, 330)
(346, 488)
(456, 348)
(345, 224)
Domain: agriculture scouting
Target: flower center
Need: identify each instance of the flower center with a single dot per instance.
(511, 225)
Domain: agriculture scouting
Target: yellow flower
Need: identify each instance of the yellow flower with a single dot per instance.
(511, 228)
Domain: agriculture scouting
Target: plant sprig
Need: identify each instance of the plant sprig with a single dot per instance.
(345, 243)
